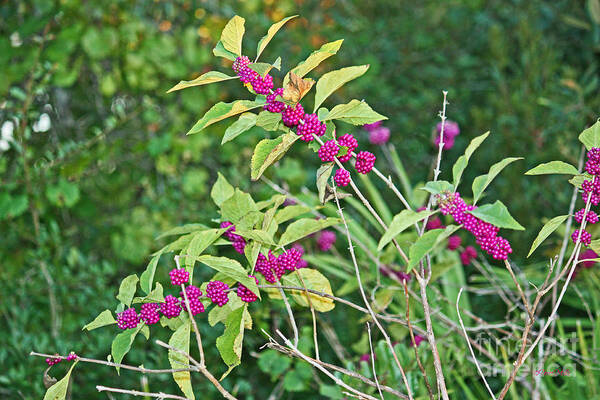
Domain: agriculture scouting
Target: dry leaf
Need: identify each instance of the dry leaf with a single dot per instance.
(297, 88)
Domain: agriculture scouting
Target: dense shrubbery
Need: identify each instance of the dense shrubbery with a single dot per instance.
(84, 198)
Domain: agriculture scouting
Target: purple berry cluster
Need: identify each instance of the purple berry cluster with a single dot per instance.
(55, 360)
(273, 267)
(193, 295)
(179, 276)
(308, 126)
(467, 255)
(395, 274)
(454, 242)
(590, 191)
(238, 242)
(246, 294)
(451, 131)
(128, 318)
(171, 307)
(486, 234)
(216, 291)
(378, 134)
(326, 240)
(150, 313)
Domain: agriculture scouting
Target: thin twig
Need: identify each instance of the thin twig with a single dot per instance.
(160, 395)
(373, 361)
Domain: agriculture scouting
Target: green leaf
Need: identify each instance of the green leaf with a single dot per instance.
(553, 167)
(290, 212)
(200, 241)
(147, 277)
(264, 68)
(497, 214)
(221, 51)
(482, 182)
(356, 113)
(59, 390)
(237, 206)
(268, 151)
(204, 79)
(155, 296)
(181, 341)
(232, 35)
(577, 180)
(314, 59)
(422, 246)
(332, 81)
(264, 41)
(221, 190)
(459, 166)
(243, 124)
(438, 187)
(257, 235)
(222, 110)
(304, 227)
(546, 231)
(12, 206)
(183, 229)
(400, 222)
(313, 280)
(127, 289)
(268, 121)
(122, 344)
(591, 136)
(323, 174)
(232, 269)
(230, 343)
(63, 194)
(103, 319)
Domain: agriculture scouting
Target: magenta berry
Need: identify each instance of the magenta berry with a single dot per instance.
(434, 223)
(263, 267)
(592, 167)
(150, 313)
(402, 276)
(193, 294)
(240, 63)
(591, 217)
(418, 340)
(239, 245)
(128, 319)
(342, 177)
(325, 240)
(216, 292)
(448, 142)
(451, 129)
(245, 294)
(179, 276)
(292, 115)
(371, 127)
(454, 242)
(247, 75)
(588, 255)
(53, 360)
(72, 356)
(467, 255)
(170, 308)
(289, 260)
(328, 151)
(364, 162)
(586, 237)
(310, 126)
(262, 85)
(350, 142)
(594, 154)
(301, 263)
(273, 105)
(379, 136)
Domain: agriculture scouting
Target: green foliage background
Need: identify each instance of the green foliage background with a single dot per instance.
(81, 204)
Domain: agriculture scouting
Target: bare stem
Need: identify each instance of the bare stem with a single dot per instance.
(160, 395)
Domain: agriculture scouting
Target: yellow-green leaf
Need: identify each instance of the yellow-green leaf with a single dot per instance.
(356, 113)
(314, 280)
(127, 289)
(264, 41)
(221, 190)
(399, 223)
(181, 341)
(59, 390)
(462, 161)
(232, 35)
(204, 79)
(553, 167)
(498, 215)
(314, 59)
(332, 81)
(243, 124)
(482, 182)
(230, 343)
(304, 227)
(546, 231)
(103, 319)
(222, 110)
(591, 136)
(268, 151)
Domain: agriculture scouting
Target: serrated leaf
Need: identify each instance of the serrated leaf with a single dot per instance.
(238, 206)
(400, 222)
(273, 29)
(590, 137)
(181, 340)
(553, 167)
(332, 81)
(268, 151)
(200, 241)
(221, 190)
(232, 269)
(422, 246)
(204, 79)
(296, 88)
(155, 296)
(323, 174)
(304, 227)
(147, 277)
(438, 187)
(243, 124)
(59, 390)
(230, 343)
(546, 231)
(355, 112)
(461, 163)
(103, 319)
(222, 110)
(314, 280)
(498, 215)
(221, 51)
(314, 59)
(127, 289)
(290, 212)
(232, 35)
(268, 121)
(257, 235)
(482, 182)
(122, 344)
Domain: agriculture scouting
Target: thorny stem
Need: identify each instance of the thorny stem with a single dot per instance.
(364, 296)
